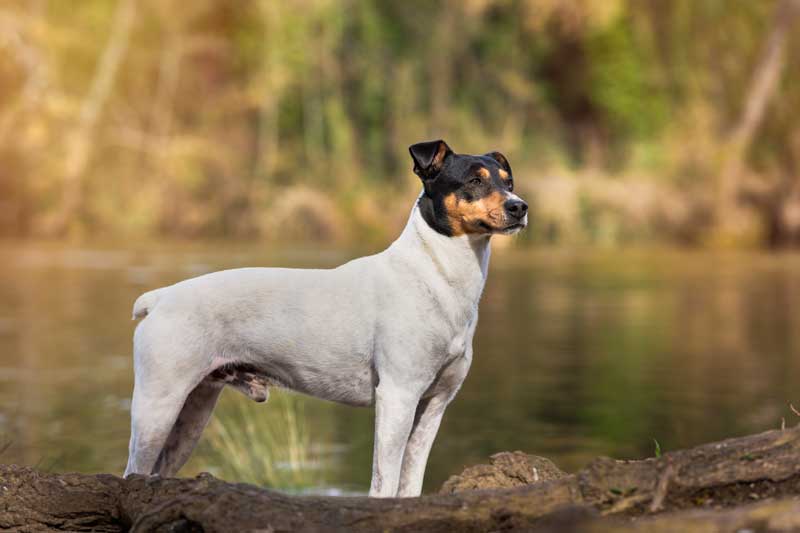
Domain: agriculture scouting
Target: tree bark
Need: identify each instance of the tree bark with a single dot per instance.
(710, 488)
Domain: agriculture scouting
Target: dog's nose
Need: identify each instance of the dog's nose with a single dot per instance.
(516, 208)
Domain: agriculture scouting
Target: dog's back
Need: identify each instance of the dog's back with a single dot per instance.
(308, 329)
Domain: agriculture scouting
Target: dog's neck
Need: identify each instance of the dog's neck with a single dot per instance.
(462, 262)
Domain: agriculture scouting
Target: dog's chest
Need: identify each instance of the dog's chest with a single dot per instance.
(462, 339)
(450, 321)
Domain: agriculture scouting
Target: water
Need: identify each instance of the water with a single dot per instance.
(578, 354)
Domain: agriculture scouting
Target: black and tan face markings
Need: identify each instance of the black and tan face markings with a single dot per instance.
(478, 215)
(478, 205)
(467, 193)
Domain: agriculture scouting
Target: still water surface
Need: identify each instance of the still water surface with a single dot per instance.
(577, 354)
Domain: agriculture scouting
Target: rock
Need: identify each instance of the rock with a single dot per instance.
(507, 470)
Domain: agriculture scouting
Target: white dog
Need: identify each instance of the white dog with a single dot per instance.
(393, 330)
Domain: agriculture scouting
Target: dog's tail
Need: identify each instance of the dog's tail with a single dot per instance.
(145, 303)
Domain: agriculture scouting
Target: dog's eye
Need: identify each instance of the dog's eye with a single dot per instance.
(475, 181)
(510, 185)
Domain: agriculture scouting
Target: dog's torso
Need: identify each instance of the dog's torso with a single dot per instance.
(392, 330)
(408, 313)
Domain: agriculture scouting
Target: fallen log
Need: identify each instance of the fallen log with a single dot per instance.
(716, 484)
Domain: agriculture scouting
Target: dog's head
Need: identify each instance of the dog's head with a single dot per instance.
(467, 194)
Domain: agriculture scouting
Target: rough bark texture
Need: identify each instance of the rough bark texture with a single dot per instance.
(715, 487)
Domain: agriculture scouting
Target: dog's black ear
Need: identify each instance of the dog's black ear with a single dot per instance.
(429, 158)
(500, 158)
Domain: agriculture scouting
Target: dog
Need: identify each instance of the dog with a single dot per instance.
(392, 330)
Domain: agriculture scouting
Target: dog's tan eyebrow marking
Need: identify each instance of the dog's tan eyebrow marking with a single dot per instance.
(503, 173)
(483, 172)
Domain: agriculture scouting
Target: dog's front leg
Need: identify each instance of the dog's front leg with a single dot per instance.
(427, 421)
(394, 416)
(426, 424)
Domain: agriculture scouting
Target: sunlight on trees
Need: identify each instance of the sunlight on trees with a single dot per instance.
(627, 120)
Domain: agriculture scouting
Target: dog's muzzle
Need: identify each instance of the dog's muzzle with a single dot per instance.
(516, 214)
(516, 208)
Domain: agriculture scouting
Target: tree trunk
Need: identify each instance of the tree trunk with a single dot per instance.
(80, 142)
(710, 488)
(162, 118)
(267, 133)
(761, 89)
(444, 40)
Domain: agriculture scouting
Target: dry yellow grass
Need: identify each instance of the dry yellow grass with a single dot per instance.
(266, 445)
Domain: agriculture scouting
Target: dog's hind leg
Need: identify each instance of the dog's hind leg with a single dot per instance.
(166, 373)
(188, 427)
(154, 410)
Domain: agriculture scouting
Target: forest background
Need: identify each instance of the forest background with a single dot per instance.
(625, 121)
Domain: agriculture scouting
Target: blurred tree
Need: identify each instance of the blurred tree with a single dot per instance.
(243, 119)
(81, 139)
(761, 90)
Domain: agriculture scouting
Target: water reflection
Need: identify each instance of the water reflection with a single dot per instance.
(577, 354)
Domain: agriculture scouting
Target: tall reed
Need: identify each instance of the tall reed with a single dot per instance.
(267, 445)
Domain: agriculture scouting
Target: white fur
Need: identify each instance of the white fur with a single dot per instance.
(392, 330)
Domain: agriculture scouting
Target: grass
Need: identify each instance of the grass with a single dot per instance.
(266, 445)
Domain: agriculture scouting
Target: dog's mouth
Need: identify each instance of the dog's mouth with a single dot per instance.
(513, 228)
(485, 226)
(507, 230)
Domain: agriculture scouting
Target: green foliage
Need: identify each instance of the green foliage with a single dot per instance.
(218, 109)
(620, 83)
(657, 451)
